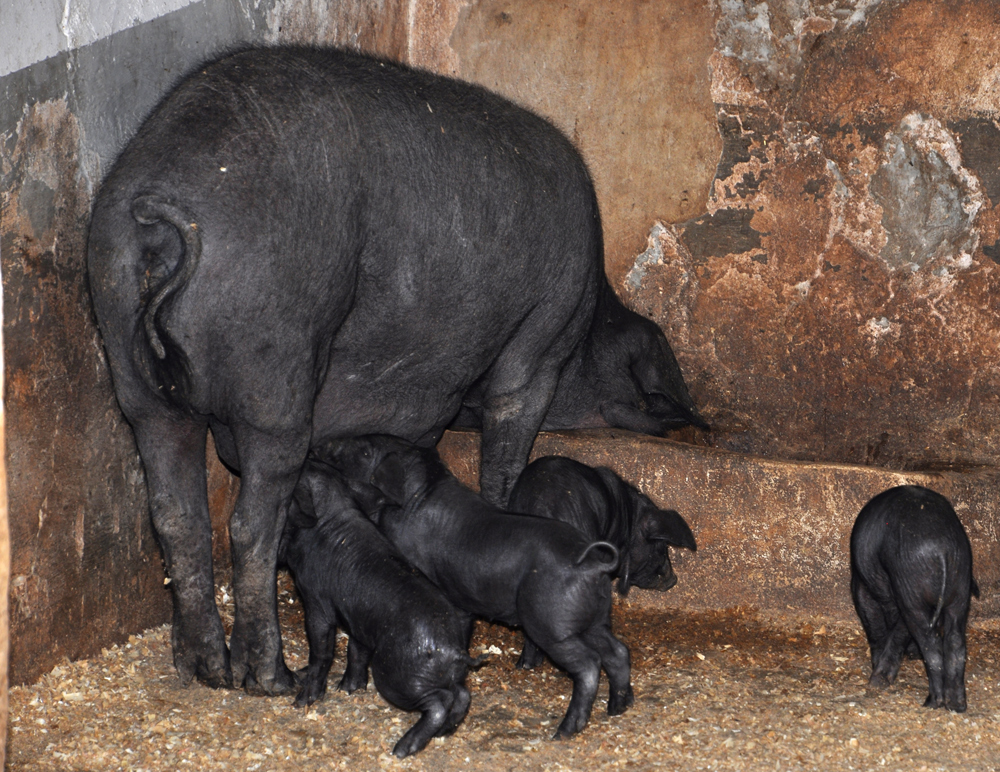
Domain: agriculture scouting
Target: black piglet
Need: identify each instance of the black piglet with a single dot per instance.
(911, 579)
(400, 625)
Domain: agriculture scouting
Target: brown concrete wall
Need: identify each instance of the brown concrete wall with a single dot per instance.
(771, 534)
(837, 299)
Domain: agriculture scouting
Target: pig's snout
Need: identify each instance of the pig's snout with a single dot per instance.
(661, 581)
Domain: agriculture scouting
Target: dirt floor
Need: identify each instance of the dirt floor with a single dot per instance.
(729, 690)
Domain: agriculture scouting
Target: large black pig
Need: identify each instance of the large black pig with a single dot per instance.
(302, 244)
(911, 579)
(400, 624)
(538, 574)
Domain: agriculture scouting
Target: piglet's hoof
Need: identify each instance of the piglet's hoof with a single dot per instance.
(313, 689)
(878, 682)
(619, 702)
(351, 685)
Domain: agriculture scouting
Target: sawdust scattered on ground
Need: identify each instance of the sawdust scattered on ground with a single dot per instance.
(726, 690)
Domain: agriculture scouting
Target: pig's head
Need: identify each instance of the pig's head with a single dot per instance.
(381, 470)
(320, 494)
(623, 375)
(647, 560)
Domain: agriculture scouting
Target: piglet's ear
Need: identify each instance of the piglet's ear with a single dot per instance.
(624, 574)
(390, 477)
(302, 512)
(666, 525)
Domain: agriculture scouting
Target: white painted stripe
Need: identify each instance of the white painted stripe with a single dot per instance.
(33, 30)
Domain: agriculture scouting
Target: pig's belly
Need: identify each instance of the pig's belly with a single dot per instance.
(413, 400)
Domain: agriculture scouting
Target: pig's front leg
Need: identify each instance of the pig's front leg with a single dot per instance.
(356, 674)
(321, 629)
(531, 655)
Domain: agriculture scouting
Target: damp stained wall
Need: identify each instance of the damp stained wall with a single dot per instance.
(802, 195)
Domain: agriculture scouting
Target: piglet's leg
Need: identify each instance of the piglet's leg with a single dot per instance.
(356, 673)
(615, 661)
(584, 666)
(459, 708)
(885, 665)
(321, 629)
(531, 656)
(872, 619)
(954, 663)
(435, 709)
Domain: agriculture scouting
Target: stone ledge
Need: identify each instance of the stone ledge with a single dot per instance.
(771, 534)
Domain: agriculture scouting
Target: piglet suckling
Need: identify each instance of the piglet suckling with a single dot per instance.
(911, 579)
(399, 624)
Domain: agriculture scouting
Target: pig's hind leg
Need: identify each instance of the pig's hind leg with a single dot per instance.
(885, 664)
(954, 659)
(879, 618)
(931, 645)
(458, 711)
(584, 666)
(615, 661)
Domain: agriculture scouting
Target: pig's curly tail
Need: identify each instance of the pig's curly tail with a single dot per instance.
(151, 209)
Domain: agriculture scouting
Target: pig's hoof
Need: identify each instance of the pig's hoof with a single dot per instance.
(282, 683)
(933, 702)
(221, 678)
(307, 697)
(879, 681)
(211, 668)
(404, 749)
(955, 707)
(568, 728)
(618, 703)
(351, 685)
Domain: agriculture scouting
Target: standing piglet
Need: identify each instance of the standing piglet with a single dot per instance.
(603, 506)
(911, 578)
(399, 623)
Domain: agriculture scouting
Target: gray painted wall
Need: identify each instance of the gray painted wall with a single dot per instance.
(111, 83)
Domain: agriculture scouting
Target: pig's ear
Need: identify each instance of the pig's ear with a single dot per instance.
(390, 477)
(302, 510)
(624, 571)
(666, 525)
